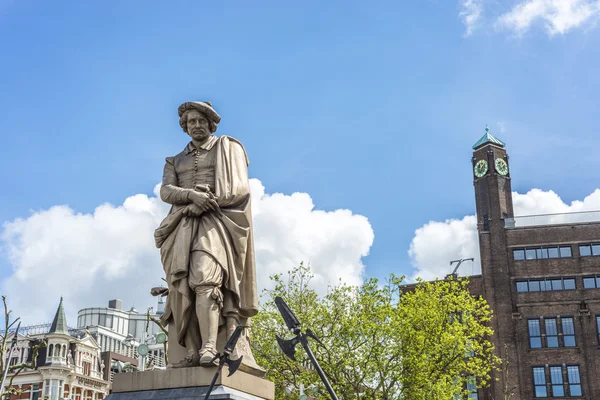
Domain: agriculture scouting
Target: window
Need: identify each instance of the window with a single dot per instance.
(535, 334)
(534, 286)
(539, 382)
(551, 333)
(585, 250)
(556, 379)
(519, 254)
(35, 391)
(569, 283)
(557, 374)
(541, 253)
(472, 388)
(14, 361)
(589, 249)
(554, 338)
(51, 389)
(574, 380)
(86, 368)
(598, 327)
(568, 331)
(543, 285)
(565, 251)
(544, 252)
(553, 252)
(591, 282)
(556, 284)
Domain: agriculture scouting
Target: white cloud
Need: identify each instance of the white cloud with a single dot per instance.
(470, 14)
(558, 16)
(435, 244)
(92, 258)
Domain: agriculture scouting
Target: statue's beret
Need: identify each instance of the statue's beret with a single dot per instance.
(205, 107)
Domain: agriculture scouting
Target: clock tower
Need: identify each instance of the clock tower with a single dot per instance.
(491, 176)
(493, 198)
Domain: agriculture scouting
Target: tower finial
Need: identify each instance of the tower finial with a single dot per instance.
(488, 138)
(59, 324)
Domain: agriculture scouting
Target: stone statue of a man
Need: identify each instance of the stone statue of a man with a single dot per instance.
(205, 242)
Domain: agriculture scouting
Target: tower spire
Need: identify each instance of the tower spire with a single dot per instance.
(59, 325)
(488, 138)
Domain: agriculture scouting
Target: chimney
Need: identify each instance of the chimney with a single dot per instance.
(116, 304)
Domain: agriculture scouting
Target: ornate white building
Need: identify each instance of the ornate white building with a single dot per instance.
(69, 367)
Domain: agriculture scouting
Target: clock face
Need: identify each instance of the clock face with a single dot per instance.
(501, 166)
(481, 168)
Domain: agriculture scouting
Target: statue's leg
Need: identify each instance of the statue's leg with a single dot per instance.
(205, 278)
(232, 323)
(191, 340)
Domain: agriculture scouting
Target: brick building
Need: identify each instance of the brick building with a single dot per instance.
(69, 367)
(541, 276)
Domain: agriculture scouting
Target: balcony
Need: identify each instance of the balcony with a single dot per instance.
(150, 358)
(552, 219)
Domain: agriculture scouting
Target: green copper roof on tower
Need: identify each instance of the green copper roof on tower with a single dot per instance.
(59, 325)
(488, 138)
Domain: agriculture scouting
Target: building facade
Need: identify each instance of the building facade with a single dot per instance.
(68, 367)
(120, 333)
(541, 276)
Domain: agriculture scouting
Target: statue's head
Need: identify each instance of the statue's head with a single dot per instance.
(198, 119)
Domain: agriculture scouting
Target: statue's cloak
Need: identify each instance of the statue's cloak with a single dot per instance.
(227, 237)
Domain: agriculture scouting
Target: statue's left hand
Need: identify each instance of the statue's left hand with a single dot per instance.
(192, 210)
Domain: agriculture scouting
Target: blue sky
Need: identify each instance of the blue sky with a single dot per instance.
(367, 106)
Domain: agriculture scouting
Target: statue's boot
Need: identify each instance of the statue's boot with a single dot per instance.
(192, 359)
(208, 311)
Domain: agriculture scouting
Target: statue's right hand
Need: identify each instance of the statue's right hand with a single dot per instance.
(204, 201)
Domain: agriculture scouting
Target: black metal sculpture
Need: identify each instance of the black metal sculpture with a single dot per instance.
(289, 346)
(223, 358)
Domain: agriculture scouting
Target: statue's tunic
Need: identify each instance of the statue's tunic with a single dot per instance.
(222, 164)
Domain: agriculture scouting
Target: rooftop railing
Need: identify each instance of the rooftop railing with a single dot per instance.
(552, 219)
(40, 329)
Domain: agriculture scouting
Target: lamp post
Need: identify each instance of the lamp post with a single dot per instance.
(143, 348)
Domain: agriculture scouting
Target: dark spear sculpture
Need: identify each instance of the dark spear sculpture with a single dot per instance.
(233, 365)
(289, 346)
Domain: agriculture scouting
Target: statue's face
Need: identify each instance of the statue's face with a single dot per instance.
(197, 126)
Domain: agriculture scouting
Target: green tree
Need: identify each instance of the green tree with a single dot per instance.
(381, 341)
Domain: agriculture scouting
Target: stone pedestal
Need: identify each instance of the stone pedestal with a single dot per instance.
(189, 384)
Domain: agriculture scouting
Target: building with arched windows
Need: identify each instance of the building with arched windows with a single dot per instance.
(69, 366)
